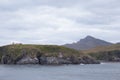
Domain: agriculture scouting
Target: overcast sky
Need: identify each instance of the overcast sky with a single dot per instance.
(58, 21)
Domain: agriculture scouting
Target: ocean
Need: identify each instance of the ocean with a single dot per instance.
(105, 71)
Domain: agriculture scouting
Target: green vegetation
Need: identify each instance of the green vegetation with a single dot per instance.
(103, 48)
(106, 53)
(16, 50)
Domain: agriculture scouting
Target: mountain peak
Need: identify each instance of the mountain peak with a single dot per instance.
(87, 43)
(89, 37)
(86, 39)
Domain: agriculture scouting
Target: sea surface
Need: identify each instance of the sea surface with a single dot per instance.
(105, 71)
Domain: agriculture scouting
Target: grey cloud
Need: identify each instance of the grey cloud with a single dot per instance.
(58, 21)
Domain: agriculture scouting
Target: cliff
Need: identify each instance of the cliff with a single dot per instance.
(42, 54)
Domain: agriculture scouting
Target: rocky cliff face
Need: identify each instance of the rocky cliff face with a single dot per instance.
(44, 60)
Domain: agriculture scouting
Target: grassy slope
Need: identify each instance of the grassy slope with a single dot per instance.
(104, 48)
(105, 53)
(48, 50)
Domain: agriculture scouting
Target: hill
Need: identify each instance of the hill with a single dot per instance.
(41, 54)
(103, 48)
(105, 53)
(88, 42)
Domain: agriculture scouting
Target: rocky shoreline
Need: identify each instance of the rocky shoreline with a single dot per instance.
(44, 60)
(43, 55)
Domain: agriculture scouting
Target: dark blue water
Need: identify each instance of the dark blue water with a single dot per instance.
(107, 71)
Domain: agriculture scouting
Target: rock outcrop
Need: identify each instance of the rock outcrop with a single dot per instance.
(44, 60)
(27, 60)
(6, 59)
(53, 60)
(88, 60)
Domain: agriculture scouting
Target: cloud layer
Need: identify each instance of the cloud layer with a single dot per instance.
(58, 21)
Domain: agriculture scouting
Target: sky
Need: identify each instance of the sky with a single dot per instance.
(58, 21)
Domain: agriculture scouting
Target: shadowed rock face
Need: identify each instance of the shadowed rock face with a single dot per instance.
(88, 60)
(6, 59)
(43, 60)
(24, 58)
(87, 43)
